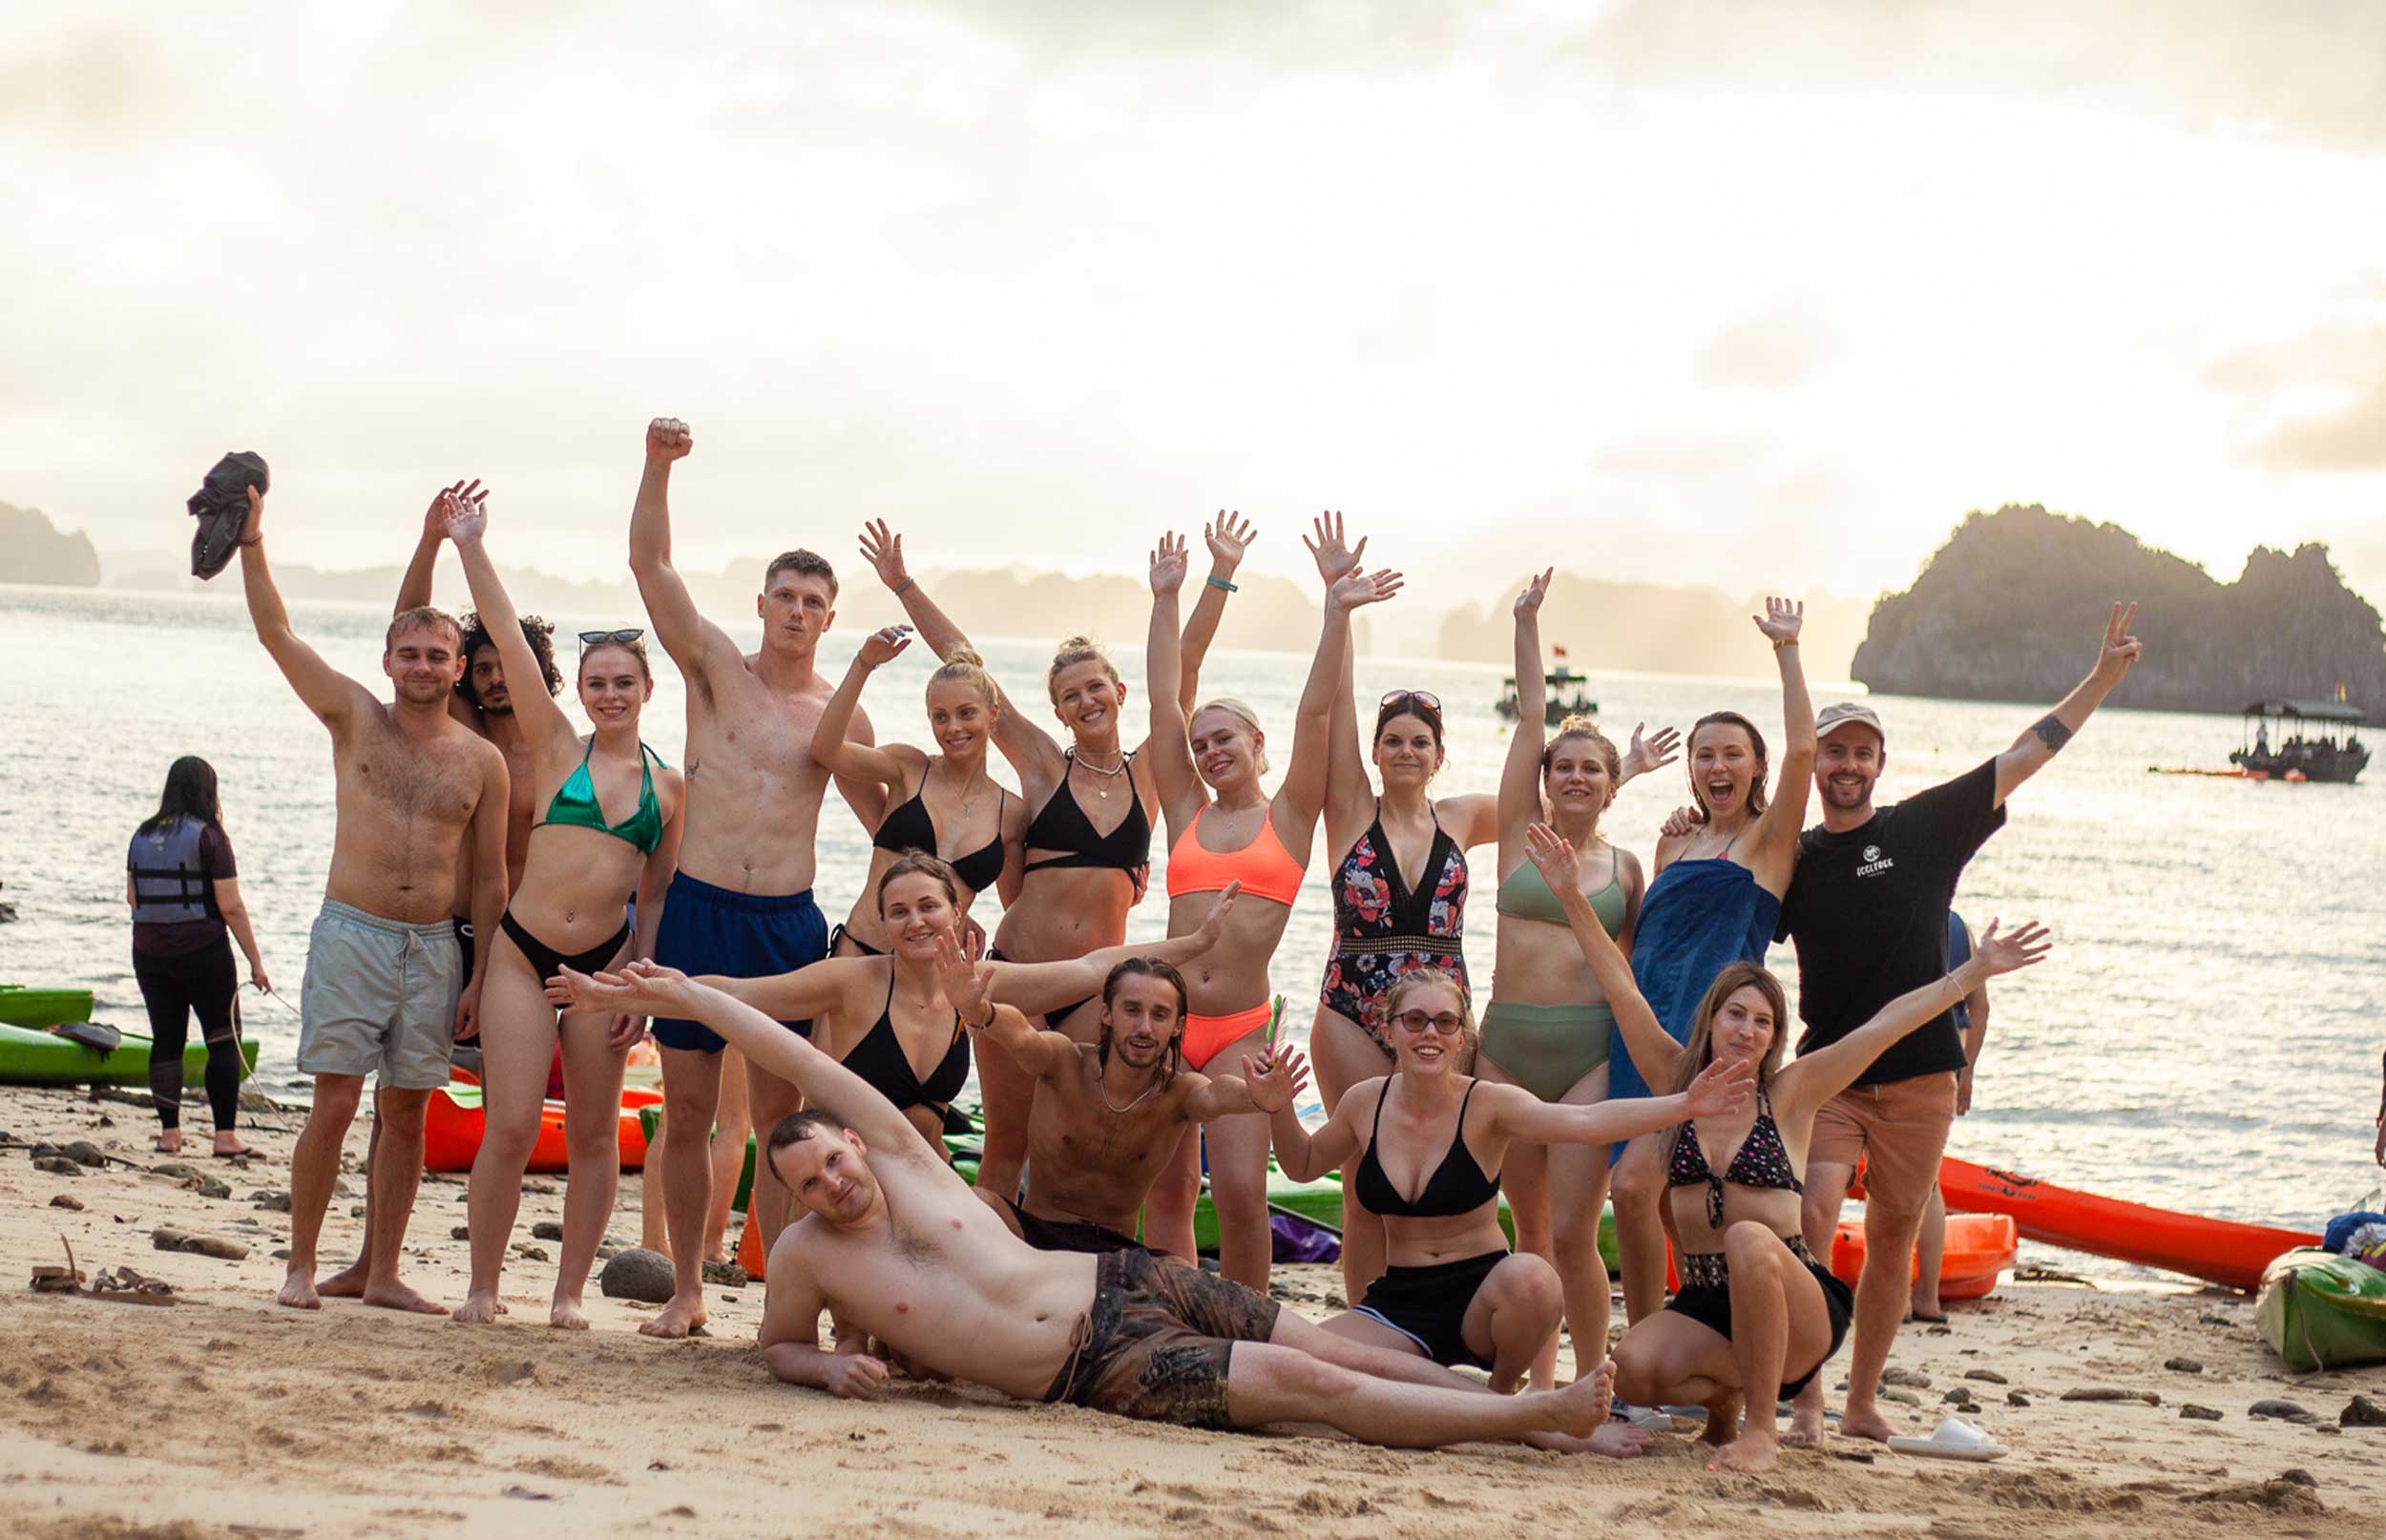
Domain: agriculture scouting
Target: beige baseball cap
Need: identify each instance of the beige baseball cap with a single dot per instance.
(1840, 714)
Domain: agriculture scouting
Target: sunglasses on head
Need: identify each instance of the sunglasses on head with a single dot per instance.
(1405, 697)
(597, 638)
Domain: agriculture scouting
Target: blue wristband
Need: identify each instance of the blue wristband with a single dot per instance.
(1217, 582)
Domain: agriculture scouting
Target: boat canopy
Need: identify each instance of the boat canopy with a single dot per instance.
(2321, 711)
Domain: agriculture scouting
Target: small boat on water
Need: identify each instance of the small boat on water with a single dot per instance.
(2321, 1311)
(1565, 694)
(2314, 740)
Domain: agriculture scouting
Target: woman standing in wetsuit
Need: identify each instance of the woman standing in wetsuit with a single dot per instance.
(1224, 827)
(608, 828)
(1757, 1315)
(1430, 1141)
(944, 804)
(1088, 847)
(181, 881)
(1717, 895)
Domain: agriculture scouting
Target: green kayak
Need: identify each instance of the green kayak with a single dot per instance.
(24, 1006)
(36, 1058)
(2321, 1311)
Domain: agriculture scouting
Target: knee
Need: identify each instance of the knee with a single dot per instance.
(336, 1100)
(1634, 1191)
(1175, 1192)
(1574, 1235)
(1528, 1284)
(1635, 1372)
(1303, 1375)
(1748, 1244)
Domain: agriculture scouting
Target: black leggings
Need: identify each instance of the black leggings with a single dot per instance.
(171, 988)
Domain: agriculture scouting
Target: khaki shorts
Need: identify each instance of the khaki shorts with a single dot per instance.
(1899, 1129)
(379, 998)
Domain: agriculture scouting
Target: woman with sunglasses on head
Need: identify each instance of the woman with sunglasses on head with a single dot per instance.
(608, 829)
(942, 804)
(1087, 850)
(1225, 827)
(1386, 920)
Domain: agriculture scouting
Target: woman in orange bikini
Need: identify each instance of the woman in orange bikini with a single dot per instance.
(1243, 835)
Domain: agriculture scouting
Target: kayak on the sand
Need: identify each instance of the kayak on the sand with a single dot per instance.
(2219, 1251)
(1979, 1247)
(453, 1124)
(24, 1005)
(2321, 1311)
(31, 1057)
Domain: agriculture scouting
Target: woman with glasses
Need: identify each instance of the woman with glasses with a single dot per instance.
(608, 827)
(1429, 1142)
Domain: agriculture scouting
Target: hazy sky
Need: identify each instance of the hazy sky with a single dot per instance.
(1679, 291)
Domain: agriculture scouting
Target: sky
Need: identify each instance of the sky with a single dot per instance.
(1686, 291)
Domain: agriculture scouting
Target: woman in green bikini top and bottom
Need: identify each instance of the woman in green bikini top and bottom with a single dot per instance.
(1546, 1048)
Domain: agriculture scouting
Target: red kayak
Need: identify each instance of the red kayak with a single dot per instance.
(2220, 1251)
(453, 1123)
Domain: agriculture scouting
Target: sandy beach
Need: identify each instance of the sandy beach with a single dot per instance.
(226, 1416)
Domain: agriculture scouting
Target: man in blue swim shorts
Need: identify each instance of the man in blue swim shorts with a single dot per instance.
(742, 904)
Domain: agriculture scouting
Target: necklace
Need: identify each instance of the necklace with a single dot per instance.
(1131, 1105)
(1106, 772)
(967, 796)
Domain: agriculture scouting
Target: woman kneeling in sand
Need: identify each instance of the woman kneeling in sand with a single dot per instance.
(1757, 1315)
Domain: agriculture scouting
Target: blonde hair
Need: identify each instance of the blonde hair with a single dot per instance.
(1580, 726)
(967, 668)
(1072, 651)
(1245, 715)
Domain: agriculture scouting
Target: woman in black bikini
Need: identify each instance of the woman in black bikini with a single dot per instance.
(1454, 1292)
(1088, 848)
(943, 804)
(1757, 1315)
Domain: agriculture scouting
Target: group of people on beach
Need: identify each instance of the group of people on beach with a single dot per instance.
(497, 874)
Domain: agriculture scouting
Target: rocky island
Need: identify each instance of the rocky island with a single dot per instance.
(2009, 609)
(34, 550)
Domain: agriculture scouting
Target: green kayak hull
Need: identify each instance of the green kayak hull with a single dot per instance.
(2321, 1311)
(37, 1058)
(25, 1005)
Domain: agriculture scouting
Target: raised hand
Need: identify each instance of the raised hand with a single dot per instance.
(1650, 754)
(1228, 536)
(1720, 1089)
(667, 438)
(1529, 602)
(1214, 922)
(464, 518)
(1680, 821)
(884, 552)
(1355, 588)
(2120, 649)
(435, 516)
(884, 646)
(1993, 955)
(1275, 1077)
(964, 979)
(1334, 559)
(254, 530)
(1554, 854)
(1781, 620)
(1168, 564)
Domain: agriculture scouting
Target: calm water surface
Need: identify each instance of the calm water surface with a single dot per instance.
(2205, 1037)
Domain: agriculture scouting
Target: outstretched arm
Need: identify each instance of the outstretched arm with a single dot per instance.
(1303, 1156)
(1720, 1089)
(693, 644)
(841, 754)
(1172, 751)
(1653, 1049)
(1228, 536)
(1774, 851)
(329, 694)
(967, 981)
(1520, 775)
(414, 588)
(1349, 795)
(1304, 789)
(1044, 987)
(466, 521)
(1814, 1078)
(2048, 735)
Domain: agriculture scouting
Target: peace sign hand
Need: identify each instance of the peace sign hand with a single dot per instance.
(2120, 649)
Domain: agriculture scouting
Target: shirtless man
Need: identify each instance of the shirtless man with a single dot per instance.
(742, 904)
(900, 1248)
(385, 986)
(1107, 1117)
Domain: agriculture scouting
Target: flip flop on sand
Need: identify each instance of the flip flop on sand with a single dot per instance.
(1954, 1439)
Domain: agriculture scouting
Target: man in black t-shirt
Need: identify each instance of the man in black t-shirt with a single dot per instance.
(1868, 910)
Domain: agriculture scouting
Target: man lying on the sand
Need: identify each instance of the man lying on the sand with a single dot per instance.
(897, 1245)
(1106, 1118)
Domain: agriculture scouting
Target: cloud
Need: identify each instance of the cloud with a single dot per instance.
(1778, 350)
(2321, 398)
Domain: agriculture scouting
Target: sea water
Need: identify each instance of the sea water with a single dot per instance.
(2206, 1036)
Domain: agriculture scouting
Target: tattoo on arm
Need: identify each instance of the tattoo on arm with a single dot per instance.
(2052, 733)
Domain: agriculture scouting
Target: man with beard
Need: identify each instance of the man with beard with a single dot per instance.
(387, 990)
(1106, 1118)
(1868, 909)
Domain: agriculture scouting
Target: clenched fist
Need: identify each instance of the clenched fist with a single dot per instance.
(668, 439)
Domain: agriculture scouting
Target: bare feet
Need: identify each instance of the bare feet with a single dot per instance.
(347, 1284)
(169, 1141)
(398, 1297)
(683, 1316)
(1582, 1408)
(1867, 1423)
(478, 1309)
(1722, 1420)
(566, 1314)
(1806, 1427)
(1752, 1453)
(299, 1292)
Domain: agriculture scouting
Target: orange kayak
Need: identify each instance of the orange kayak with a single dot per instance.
(1979, 1246)
(2219, 1251)
(453, 1123)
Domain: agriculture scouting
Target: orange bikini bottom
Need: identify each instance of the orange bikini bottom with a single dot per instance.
(1205, 1037)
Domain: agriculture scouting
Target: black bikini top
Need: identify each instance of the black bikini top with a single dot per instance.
(879, 1059)
(911, 828)
(1457, 1186)
(1761, 1161)
(1062, 824)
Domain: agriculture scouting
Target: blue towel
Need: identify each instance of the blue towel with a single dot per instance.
(1699, 916)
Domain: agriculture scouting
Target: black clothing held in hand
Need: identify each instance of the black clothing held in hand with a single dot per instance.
(220, 505)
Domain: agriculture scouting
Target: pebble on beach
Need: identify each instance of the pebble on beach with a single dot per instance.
(637, 1274)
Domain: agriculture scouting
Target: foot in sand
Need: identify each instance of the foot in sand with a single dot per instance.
(478, 1309)
(168, 1142)
(399, 1297)
(1752, 1453)
(566, 1314)
(347, 1284)
(1806, 1428)
(1582, 1407)
(683, 1316)
(1722, 1420)
(299, 1292)
(228, 1145)
(1868, 1423)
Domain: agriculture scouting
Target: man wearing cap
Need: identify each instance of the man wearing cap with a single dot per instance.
(1868, 910)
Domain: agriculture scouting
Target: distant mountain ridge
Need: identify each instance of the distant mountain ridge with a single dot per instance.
(2010, 607)
(34, 550)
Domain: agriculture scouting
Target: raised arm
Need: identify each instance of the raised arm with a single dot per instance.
(1302, 794)
(1720, 1089)
(1045, 987)
(329, 694)
(2048, 735)
(1814, 1078)
(1302, 1155)
(968, 982)
(466, 521)
(1228, 536)
(414, 587)
(1653, 1049)
(1520, 775)
(1349, 795)
(693, 644)
(1172, 750)
(831, 747)
(1774, 852)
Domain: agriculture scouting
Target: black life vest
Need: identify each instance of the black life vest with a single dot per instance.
(167, 885)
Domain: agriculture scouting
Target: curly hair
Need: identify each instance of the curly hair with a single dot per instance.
(536, 629)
